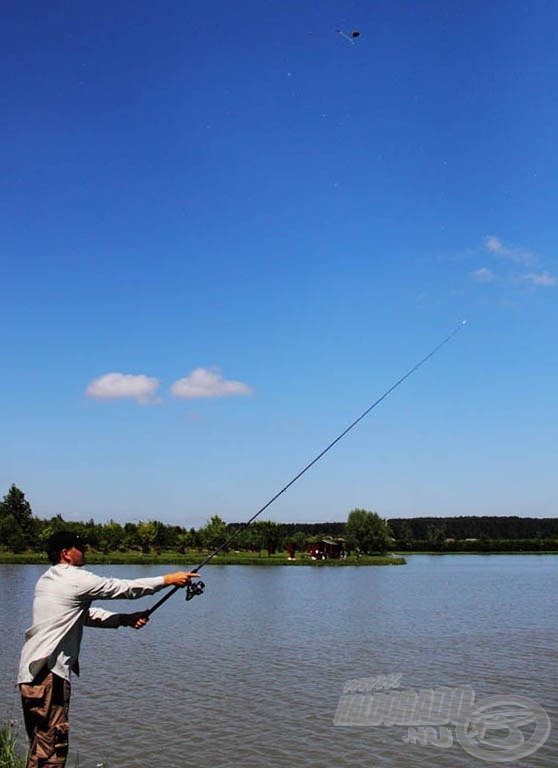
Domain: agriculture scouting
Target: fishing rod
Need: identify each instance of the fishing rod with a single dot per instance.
(197, 588)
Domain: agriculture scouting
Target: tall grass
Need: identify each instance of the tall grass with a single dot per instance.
(9, 757)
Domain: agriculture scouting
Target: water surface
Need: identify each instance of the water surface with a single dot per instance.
(250, 674)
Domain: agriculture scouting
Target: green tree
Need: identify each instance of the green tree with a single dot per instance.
(214, 533)
(147, 534)
(299, 539)
(182, 542)
(271, 535)
(250, 538)
(174, 537)
(405, 536)
(11, 535)
(111, 536)
(16, 521)
(194, 539)
(92, 533)
(367, 532)
(131, 537)
(160, 541)
(436, 537)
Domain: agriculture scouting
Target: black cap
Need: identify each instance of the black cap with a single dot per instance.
(63, 540)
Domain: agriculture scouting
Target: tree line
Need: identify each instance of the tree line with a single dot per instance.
(363, 532)
(469, 533)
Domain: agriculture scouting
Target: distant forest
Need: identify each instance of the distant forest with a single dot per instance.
(20, 531)
(472, 533)
(466, 527)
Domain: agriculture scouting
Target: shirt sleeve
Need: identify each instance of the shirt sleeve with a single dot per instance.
(98, 617)
(89, 586)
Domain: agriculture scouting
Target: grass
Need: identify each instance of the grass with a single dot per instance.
(9, 756)
(193, 557)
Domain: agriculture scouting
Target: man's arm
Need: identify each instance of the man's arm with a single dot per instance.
(98, 617)
(93, 587)
(140, 618)
(98, 588)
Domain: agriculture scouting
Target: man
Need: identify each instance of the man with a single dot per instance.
(61, 608)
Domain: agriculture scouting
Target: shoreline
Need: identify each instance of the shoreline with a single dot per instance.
(480, 552)
(263, 561)
(175, 558)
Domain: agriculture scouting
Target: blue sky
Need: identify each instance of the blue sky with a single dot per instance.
(227, 229)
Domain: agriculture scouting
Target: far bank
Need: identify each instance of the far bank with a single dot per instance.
(190, 558)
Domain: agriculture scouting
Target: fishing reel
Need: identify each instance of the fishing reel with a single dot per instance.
(194, 588)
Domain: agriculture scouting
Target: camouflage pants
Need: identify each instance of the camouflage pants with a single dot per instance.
(46, 702)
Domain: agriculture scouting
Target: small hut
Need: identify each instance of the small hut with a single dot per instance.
(325, 549)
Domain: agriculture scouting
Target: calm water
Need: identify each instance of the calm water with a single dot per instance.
(250, 674)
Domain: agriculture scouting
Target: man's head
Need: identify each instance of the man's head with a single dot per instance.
(66, 547)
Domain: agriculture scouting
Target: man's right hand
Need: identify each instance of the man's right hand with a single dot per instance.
(179, 579)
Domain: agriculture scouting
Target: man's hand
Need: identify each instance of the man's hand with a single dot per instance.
(179, 579)
(134, 620)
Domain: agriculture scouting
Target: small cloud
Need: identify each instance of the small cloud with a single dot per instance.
(203, 383)
(117, 385)
(483, 275)
(494, 245)
(518, 255)
(539, 279)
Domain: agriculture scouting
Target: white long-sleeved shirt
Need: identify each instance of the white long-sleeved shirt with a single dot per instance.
(61, 608)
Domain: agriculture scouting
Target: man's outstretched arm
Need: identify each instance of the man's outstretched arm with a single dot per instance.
(139, 619)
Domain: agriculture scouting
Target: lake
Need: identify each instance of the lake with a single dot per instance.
(251, 673)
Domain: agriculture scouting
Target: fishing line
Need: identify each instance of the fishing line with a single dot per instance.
(196, 588)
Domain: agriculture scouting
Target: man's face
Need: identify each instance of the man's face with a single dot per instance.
(73, 556)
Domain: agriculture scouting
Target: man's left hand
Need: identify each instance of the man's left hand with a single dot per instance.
(134, 620)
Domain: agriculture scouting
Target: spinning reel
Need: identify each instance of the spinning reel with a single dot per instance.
(194, 588)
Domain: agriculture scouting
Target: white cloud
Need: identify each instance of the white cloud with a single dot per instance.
(117, 385)
(204, 383)
(483, 275)
(518, 255)
(544, 279)
(494, 245)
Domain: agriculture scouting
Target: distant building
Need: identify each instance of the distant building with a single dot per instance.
(326, 549)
